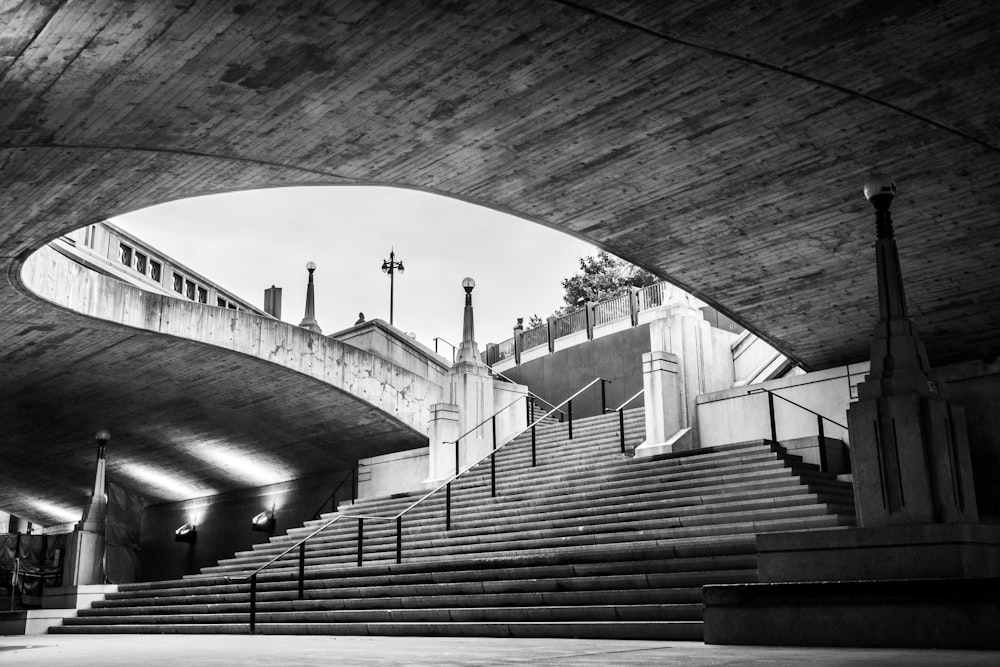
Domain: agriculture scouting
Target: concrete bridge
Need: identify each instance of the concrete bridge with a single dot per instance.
(201, 400)
(721, 147)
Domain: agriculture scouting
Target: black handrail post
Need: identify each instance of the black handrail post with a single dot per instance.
(494, 420)
(493, 474)
(399, 539)
(253, 603)
(447, 506)
(302, 571)
(354, 483)
(569, 408)
(770, 409)
(823, 463)
(457, 471)
(604, 403)
(621, 427)
(532, 445)
(361, 540)
(527, 410)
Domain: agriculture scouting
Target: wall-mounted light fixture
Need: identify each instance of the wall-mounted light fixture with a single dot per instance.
(186, 533)
(263, 522)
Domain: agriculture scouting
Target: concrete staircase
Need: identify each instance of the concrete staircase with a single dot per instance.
(589, 543)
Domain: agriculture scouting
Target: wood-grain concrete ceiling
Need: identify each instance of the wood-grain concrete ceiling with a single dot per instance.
(721, 145)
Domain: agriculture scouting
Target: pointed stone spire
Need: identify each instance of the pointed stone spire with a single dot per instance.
(309, 321)
(96, 511)
(467, 352)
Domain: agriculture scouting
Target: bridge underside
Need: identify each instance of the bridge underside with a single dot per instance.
(719, 145)
(187, 419)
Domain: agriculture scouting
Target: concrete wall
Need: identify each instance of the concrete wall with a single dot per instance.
(400, 472)
(616, 357)
(736, 415)
(224, 523)
(390, 387)
(378, 337)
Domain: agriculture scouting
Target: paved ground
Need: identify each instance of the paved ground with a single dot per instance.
(252, 651)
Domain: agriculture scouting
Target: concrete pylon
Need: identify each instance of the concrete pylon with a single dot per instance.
(85, 554)
(309, 321)
(675, 374)
(470, 389)
(909, 444)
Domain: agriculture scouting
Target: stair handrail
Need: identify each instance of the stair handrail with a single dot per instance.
(481, 424)
(530, 393)
(823, 463)
(333, 496)
(398, 517)
(621, 417)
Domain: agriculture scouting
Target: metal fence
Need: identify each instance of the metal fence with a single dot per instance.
(535, 337)
(615, 309)
(571, 323)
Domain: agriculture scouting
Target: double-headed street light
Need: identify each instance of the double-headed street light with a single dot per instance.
(390, 266)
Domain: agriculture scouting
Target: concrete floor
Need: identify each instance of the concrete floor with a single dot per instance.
(282, 651)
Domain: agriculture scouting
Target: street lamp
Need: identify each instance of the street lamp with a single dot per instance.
(390, 266)
(102, 438)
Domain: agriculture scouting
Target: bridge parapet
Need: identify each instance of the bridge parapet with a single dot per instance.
(398, 391)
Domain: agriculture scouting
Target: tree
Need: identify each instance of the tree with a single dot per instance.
(601, 277)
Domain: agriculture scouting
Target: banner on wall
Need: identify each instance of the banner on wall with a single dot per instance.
(121, 542)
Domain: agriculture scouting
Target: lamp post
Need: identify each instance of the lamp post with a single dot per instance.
(467, 350)
(95, 512)
(909, 446)
(390, 266)
(84, 564)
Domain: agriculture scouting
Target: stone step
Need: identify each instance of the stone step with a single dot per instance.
(589, 542)
(650, 630)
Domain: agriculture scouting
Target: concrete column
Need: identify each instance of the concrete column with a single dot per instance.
(704, 359)
(518, 340)
(444, 430)
(84, 563)
(666, 423)
(471, 389)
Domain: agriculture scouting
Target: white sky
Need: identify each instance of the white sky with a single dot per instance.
(247, 241)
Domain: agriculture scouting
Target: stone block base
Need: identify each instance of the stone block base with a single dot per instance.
(32, 621)
(75, 597)
(678, 442)
(942, 613)
(922, 551)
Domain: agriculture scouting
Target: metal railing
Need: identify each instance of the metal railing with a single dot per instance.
(505, 349)
(570, 323)
(535, 397)
(332, 498)
(537, 336)
(398, 517)
(454, 349)
(823, 460)
(621, 417)
(618, 308)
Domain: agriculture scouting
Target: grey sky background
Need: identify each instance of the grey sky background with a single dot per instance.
(247, 241)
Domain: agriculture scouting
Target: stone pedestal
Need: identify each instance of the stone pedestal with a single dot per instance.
(84, 563)
(444, 430)
(471, 389)
(665, 416)
(911, 461)
(685, 333)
